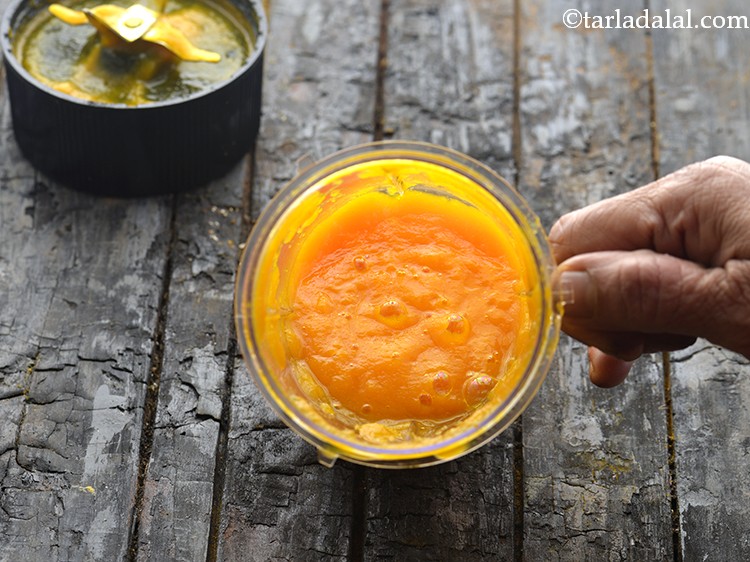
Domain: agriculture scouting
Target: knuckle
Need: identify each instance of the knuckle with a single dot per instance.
(559, 238)
(557, 232)
(725, 173)
(643, 289)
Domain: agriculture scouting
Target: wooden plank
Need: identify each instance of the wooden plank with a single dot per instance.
(178, 491)
(279, 503)
(461, 510)
(703, 109)
(450, 76)
(449, 81)
(79, 289)
(595, 461)
(80, 279)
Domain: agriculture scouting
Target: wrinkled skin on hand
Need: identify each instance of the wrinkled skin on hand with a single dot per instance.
(654, 269)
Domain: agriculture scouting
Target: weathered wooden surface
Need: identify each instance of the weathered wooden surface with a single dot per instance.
(596, 471)
(703, 109)
(80, 282)
(131, 428)
(198, 359)
(79, 306)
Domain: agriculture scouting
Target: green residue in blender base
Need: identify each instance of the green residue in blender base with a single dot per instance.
(73, 60)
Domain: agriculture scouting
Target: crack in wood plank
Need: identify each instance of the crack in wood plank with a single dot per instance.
(222, 444)
(151, 403)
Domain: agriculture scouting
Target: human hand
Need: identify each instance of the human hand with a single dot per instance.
(653, 269)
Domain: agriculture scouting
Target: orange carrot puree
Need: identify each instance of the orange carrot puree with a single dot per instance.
(408, 307)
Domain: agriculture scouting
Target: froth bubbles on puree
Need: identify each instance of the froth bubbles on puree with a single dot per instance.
(407, 307)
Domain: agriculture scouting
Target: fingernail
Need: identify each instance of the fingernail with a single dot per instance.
(578, 294)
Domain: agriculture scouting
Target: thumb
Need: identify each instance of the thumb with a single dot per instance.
(650, 293)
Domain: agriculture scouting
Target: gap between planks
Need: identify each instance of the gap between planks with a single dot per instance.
(674, 501)
(153, 381)
(222, 441)
(360, 486)
(360, 481)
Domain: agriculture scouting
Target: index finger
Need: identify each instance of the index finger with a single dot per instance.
(677, 215)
